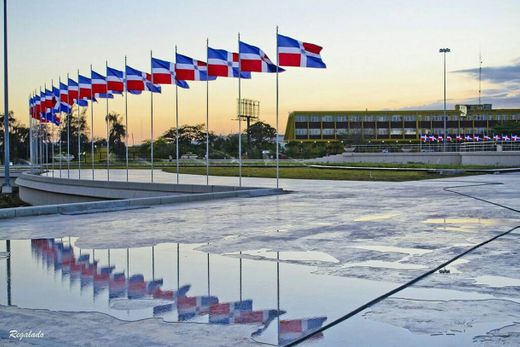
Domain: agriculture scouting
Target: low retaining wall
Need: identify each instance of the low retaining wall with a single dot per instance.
(510, 158)
(42, 190)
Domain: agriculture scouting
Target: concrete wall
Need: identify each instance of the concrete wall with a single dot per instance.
(453, 158)
(42, 190)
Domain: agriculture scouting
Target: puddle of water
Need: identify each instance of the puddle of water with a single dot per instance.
(375, 217)
(304, 256)
(482, 221)
(176, 283)
(497, 281)
(380, 248)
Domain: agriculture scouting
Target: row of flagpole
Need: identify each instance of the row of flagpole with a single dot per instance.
(304, 52)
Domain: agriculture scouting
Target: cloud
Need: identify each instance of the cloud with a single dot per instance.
(496, 74)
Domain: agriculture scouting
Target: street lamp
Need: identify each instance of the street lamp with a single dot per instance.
(444, 51)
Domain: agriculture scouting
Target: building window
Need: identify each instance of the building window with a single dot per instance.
(328, 119)
(409, 131)
(354, 118)
(396, 131)
(341, 118)
(381, 131)
(328, 131)
(314, 131)
(410, 118)
(315, 118)
(341, 131)
(369, 131)
(396, 118)
(382, 119)
(301, 118)
(301, 131)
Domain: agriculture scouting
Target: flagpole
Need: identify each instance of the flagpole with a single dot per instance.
(44, 135)
(126, 122)
(239, 118)
(31, 111)
(176, 118)
(52, 129)
(207, 114)
(107, 122)
(69, 114)
(79, 133)
(277, 104)
(151, 120)
(60, 126)
(92, 121)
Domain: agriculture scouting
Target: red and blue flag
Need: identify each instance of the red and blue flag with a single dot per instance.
(292, 52)
(224, 64)
(253, 59)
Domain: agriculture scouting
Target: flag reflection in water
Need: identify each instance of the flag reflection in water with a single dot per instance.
(122, 286)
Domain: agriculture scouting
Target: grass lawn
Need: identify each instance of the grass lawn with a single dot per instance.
(311, 173)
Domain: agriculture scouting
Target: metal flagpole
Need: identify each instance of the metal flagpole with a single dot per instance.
(52, 131)
(31, 158)
(239, 118)
(277, 102)
(207, 114)
(79, 133)
(92, 121)
(278, 293)
(6, 188)
(108, 128)
(60, 128)
(176, 118)
(126, 123)
(151, 121)
(69, 114)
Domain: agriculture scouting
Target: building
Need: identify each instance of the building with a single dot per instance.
(397, 125)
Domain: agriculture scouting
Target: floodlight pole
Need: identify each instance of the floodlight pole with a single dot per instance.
(444, 51)
(6, 188)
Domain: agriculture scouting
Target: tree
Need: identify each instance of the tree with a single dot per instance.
(261, 133)
(18, 139)
(71, 120)
(117, 134)
(511, 127)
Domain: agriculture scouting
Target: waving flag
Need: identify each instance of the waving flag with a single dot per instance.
(292, 52)
(73, 91)
(224, 64)
(115, 82)
(36, 107)
(137, 81)
(188, 69)
(99, 83)
(85, 87)
(64, 93)
(163, 72)
(253, 59)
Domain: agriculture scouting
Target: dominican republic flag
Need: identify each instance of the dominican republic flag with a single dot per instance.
(440, 138)
(137, 81)
(486, 138)
(449, 138)
(225, 313)
(64, 93)
(115, 81)
(292, 52)
(49, 100)
(36, 107)
(189, 307)
(514, 138)
(224, 64)
(459, 138)
(73, 91)
(497, 138)
(432, 138)
(476, 138)
(468, 138)
(293, 329)
(163, 72)
(158, 293)
(31, 106)
(85, 87)
(188, 69)
(506, 138)
(253, 59)
(99, 83)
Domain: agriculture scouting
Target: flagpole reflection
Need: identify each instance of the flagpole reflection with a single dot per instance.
(8, 272)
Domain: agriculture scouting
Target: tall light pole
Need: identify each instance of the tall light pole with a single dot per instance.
(444, 51)
(6, 188)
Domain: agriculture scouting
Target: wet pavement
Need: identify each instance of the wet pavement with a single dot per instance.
(339, 245)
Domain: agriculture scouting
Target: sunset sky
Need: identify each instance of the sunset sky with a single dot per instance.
(379, 54)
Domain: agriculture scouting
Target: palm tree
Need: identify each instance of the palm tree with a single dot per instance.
(117, 133)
